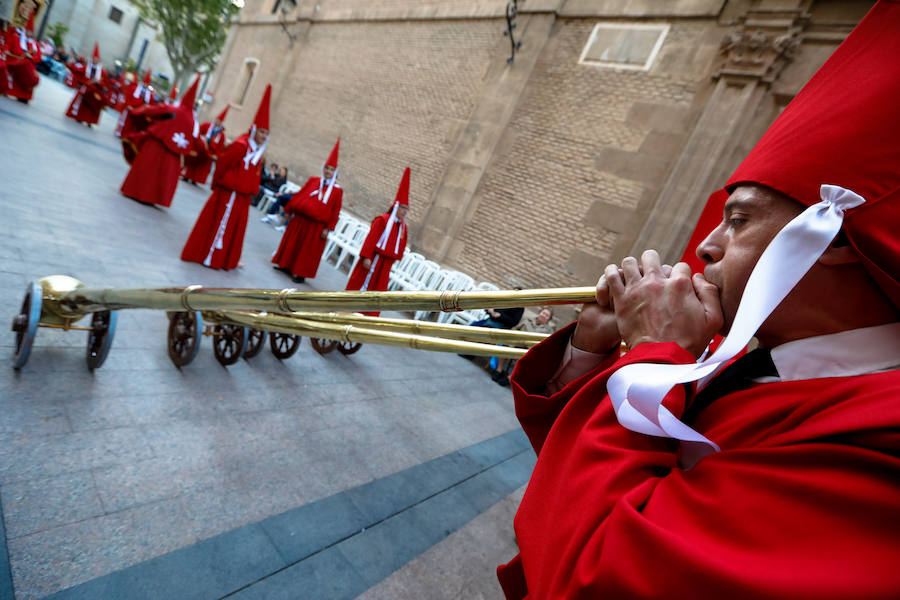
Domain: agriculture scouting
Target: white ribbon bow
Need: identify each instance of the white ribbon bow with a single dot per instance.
(637, 390)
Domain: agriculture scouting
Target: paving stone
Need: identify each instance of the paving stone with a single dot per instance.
(35, 505)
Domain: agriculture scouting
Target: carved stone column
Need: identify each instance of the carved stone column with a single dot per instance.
(752, 56)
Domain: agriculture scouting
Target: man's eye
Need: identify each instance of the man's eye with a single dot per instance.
(735, 221)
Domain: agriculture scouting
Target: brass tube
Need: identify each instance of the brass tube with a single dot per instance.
(427, 328)
(81, 301)
(356, 334)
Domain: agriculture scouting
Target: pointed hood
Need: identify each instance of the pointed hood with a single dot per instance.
(333, 157)
(221, 117)
(95, 57)
(148, 76)
(261, 121)
(190, 96)
(173, 93)
(842, 129)
(29, 26)
(402, 197)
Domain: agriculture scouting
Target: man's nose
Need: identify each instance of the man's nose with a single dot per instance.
(711, 250)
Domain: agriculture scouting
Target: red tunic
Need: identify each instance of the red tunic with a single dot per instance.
(218, 235)
(88, 102)
(154, 173)
(302, 244)
(23, 77)
(207, 148)
(801, 504)
(377, 276)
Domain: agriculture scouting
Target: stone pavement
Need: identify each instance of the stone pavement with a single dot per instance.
(390, 473)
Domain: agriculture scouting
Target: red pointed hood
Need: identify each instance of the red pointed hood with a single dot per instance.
(96, 55)
(224, 112)
(29, 26)
(173, 92)
(148, 77)
(333, 157)
(402, 197)
(190, 96)
(261, 121)
(842, 129)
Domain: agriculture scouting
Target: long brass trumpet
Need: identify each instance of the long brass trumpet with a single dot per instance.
(61, 301)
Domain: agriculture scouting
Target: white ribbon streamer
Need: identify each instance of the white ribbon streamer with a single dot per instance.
(637, 390)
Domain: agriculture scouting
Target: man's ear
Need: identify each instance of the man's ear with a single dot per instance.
(844, 254)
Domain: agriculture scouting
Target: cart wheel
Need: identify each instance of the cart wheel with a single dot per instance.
(284, 344)
(184, 337)
(348, 348)
(322, 346)
(255, 340)
(228, 343)
(100, 337)
(25, 323)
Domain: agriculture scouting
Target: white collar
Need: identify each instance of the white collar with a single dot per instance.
(853, 352)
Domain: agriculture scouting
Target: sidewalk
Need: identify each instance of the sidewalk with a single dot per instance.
(390, 473)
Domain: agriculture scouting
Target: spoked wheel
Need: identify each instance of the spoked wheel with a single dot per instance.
(25, 324)
(284, 344)
(184, 337)
(255, 340)
(228, 343)
(322, 346)
(348, 348)
(100, 337)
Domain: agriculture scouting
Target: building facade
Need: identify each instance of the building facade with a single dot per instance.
(116, 26)
(604, 136)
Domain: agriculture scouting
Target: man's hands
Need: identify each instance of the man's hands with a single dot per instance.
(367, 263)
(649, 302)
(597, 330)
(325, 233)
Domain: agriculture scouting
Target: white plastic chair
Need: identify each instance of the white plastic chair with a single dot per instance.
(351, 247)
(467, 317)
(403, 270)
(446, 280)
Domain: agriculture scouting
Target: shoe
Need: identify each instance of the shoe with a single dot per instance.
(282, 269)
(502, 381)
(267, 219)
(298, 279)
(280, 228)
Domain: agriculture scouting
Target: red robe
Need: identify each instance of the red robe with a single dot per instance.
(218, 235)
(75, 74)
(197, 166)
(801, 504)
(88, 102)
(137, 98)
(377, 276)
(300, 250)
(23, 77)
(154, 173)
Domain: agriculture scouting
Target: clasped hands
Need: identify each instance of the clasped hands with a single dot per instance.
(650, 302)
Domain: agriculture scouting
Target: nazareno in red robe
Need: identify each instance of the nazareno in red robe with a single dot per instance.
(88, 102)
(197, 166)
(23, 76)
(154, 173)
(801, 503)
(377, 277)
(218, 235)
(302, 244)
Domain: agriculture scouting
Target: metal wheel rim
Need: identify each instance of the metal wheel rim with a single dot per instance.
(284, 345)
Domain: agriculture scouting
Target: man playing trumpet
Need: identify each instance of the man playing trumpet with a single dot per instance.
(670, 473)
